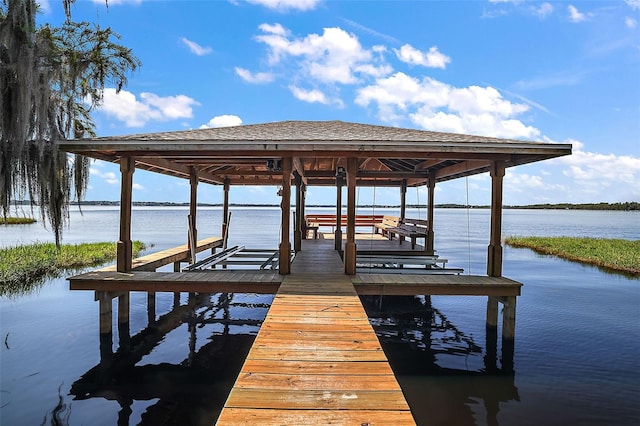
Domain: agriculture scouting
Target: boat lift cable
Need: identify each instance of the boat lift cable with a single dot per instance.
(466, 180)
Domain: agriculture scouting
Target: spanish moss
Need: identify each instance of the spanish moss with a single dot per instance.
(51, 78)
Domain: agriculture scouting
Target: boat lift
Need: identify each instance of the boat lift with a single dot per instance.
(238, 256)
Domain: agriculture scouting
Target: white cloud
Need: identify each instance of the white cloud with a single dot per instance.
(335, 56)
(575, 15)
(630, 22)
(431, 59)
(437, 106)
(195, 48)
(310, 96)
(257, 78)
(222, 121)
(581, 177)
(109, 177)
(606, 170)
(542, 11)
(124, 106)
(138, 187)
(286, 5)
(633, 4)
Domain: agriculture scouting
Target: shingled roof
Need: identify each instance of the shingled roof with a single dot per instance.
(388, 155)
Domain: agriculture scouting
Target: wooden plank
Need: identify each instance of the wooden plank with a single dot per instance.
(345, 382)
(316, 357)
(303, 399)
(327, 368)
(244, 416)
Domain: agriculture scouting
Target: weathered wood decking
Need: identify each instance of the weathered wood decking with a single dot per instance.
(316, 359)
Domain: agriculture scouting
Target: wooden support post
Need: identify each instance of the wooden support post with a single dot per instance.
(176, 266)
(285, 245)
(508, 333)
(429, 243)
(297, 232)
(105, 301)
(106, 312)
(124, 333)
(151, 307)
(491, 349)
(303, 223)
(494, 256)
(338, 233)
(492, 312)
(193, 210)
(124, 249)
(509, 318)
(403, 200)
(225, 208)
(350, 248)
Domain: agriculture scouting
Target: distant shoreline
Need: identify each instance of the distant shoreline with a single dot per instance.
(627, 206)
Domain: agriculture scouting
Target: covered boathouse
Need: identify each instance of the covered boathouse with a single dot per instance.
(316, 358)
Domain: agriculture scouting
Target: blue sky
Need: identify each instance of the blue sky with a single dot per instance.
(564, 71)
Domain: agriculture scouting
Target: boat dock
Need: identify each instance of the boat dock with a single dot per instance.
(316, 359)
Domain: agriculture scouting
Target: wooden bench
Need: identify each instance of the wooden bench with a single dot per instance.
(387, 222)
(409, 228)
(315, 221)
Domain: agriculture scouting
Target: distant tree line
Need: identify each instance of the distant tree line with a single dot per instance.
(626, 206)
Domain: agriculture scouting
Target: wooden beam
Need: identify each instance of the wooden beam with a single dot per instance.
(298, 166)
(124, 247)
(285, 244)
(462, 167)
(390, 175)
(494, 258)
(350, 248)
(427, 164)
(164, 166)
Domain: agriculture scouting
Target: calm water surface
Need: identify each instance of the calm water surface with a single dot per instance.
(576, 358)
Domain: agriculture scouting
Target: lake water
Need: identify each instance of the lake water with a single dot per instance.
(576, 358)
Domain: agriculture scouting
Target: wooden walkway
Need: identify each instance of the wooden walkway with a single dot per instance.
(316, 359)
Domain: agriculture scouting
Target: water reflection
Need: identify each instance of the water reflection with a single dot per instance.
(219, 334)
(420, 343)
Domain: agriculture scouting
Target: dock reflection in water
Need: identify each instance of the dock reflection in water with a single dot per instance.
(418, 340)
(221, 329)
(218, 330)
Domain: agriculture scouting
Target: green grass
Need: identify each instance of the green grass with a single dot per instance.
(24, 267)
(613, 254)
(17, 221)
